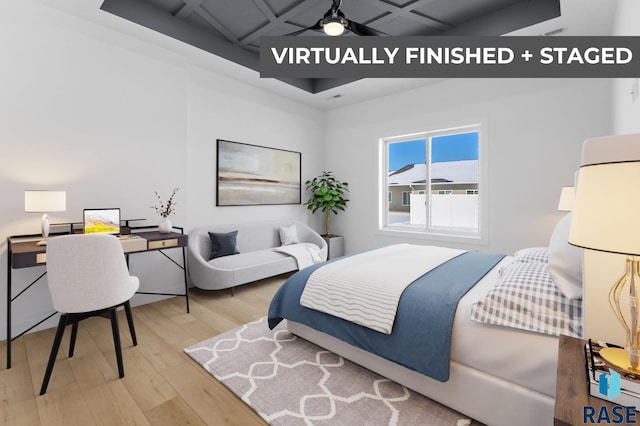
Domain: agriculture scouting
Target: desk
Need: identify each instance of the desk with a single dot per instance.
(23, 252)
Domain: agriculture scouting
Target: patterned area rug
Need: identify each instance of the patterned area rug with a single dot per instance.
(289, 381)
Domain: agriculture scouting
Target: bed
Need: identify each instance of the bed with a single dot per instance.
(497, 374)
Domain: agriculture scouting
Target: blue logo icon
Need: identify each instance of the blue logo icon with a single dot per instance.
(609, 384)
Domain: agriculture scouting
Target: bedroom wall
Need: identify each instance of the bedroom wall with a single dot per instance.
(535, 128)
(626, 112)
(110, 118)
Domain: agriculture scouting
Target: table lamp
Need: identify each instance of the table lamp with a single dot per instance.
(567, 194)
(44, 202)
(606, 218)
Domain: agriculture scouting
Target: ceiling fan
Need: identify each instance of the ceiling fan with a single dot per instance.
(334, 23)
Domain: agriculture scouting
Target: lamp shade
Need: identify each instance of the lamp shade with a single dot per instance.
(45, 201)
(566, 198)
(606, 209)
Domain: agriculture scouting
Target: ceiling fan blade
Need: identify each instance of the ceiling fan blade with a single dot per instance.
(316, 27)
(363, 30)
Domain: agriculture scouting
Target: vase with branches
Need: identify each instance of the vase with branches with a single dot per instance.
(328, 196)
(164, 210)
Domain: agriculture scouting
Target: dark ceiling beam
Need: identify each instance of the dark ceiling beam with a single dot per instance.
(295, 10)
(189, 7)
(195, 6)
(407, 11)
(322, 84)
(265, 9)
(211, 20)
(514, 17)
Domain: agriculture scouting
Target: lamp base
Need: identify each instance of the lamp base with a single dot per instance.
(618, 357)
(45, 226)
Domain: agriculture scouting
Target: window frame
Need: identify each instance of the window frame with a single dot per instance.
(481, 237)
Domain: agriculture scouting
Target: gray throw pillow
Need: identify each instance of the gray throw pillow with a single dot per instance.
(223, 244)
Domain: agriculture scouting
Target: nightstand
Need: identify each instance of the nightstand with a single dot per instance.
(571, 384)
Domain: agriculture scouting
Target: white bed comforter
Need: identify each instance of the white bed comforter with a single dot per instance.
(366, 289)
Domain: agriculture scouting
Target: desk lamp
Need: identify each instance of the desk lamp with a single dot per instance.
(44, 202)
(606, 218)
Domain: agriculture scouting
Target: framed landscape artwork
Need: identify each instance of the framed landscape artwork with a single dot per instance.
(257, 175)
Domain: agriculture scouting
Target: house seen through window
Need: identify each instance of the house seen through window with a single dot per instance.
(434, 182)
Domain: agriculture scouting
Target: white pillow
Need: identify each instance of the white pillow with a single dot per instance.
(288, 235)
(565, 261)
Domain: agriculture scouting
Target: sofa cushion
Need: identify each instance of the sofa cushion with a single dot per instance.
(223, 244)
(248, 259)
(251, 266)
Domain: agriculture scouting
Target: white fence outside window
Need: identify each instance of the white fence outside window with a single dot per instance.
(453, 212)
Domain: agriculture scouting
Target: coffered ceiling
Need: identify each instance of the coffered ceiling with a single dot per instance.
(232, 29)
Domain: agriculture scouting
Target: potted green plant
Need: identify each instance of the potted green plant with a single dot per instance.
(327, 195)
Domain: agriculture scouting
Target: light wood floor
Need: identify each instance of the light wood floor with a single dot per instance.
(162, 385)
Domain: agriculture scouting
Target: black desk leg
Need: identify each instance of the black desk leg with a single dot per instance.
(9, 309)
(184, 270)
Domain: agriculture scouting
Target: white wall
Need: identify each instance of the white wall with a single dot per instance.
(626, 113)
(535, 132)
(110, 118)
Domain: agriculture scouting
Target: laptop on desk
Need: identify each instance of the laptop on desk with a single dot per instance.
(103, 221)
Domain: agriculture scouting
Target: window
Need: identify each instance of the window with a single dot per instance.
(439, 176)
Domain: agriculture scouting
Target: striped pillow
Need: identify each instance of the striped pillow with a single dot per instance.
(527, 298)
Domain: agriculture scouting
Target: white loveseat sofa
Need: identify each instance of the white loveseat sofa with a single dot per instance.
(256, 260)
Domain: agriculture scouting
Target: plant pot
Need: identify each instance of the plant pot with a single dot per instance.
(164, 226)
(335, 246)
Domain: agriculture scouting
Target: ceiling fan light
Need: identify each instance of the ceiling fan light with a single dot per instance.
(333, 26)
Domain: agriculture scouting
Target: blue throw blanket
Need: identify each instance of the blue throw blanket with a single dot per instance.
(421, 338)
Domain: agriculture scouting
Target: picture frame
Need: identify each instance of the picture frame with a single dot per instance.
(249, 175)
